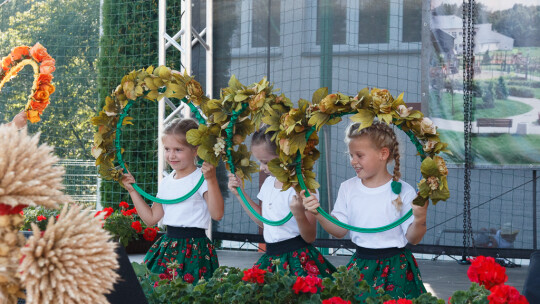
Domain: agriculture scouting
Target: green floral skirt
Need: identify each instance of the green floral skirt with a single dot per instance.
(398, 275)
(304, 261)
(196, 257)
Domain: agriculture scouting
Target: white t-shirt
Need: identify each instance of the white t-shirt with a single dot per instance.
(275, 206)
(360, 206)
(193, 212)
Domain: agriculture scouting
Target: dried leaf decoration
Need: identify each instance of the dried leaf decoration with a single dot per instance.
(255, 104)
(365, 107)
(151, 84)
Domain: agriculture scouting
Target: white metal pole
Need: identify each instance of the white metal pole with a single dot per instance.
(161, 103)
(210, 52)
(185, 58)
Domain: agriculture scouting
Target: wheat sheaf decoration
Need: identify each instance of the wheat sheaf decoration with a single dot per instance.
(72, 261)
(28, 177)
(43, 65)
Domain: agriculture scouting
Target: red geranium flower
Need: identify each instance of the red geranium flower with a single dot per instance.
(41, 218)
(124, 205)
(254, 275)
(504, 294)
(108, 211)
(307, 284)
(485, 271)
(399, 301)
(149, 234)
(188, 278)
(137, 226)
(335, 300)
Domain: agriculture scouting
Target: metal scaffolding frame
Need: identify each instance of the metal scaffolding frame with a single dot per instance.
(189, 37)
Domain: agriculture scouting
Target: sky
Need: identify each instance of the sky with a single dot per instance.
(493, 5)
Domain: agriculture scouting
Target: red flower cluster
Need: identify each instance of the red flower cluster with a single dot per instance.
(504, 294)
(150, 234)
(254, 275)
(129, 212)
(107, 211)
(399, 301)
(335, 300)
(307, 284)
(485, 271)
(41, 218)
(137, 226)
(124, 205)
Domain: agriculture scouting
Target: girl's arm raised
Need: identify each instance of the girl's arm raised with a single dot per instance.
(311, 204)
(213, 196)
(306, 220)
(418, 228)
(235, 182)
(149, 215)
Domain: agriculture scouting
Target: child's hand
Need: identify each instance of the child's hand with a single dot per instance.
(209, 171)
(310, 203)
(234, 182)
(296, 205)
(19, 120)
(128, 180)
(420, 212)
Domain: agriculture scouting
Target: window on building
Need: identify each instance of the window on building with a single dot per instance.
(374, 21)
(338, 10)
(412, 21)
(260, 31)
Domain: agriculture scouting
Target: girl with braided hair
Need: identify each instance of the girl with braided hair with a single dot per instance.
(289, 243)
(375, 198)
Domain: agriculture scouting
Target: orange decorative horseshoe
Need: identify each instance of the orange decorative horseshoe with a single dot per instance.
(43, 65)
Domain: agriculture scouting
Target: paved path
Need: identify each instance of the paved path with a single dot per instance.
(441, 278)
(530, 119)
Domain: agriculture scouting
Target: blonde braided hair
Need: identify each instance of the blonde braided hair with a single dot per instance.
(382, 136)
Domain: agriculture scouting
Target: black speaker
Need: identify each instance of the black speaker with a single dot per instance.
(531, 288)
(127, 289)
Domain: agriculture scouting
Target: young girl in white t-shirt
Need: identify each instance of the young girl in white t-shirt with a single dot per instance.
(185, 241)
(367, 200)
(290, 242)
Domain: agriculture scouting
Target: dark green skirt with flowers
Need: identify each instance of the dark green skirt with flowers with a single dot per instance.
(398, 275)
(301, 262)
(196, 257)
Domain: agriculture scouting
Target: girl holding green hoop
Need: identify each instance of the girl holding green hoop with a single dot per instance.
(375, 198)
(289, 243)
(185, 242)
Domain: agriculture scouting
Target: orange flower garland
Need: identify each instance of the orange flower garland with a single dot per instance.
(43, 65)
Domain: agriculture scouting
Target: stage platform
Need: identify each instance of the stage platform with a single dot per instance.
(441, 278)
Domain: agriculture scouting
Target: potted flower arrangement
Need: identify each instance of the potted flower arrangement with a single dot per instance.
(38, 215)
(232, 285)
(127, 227)
(124, 224)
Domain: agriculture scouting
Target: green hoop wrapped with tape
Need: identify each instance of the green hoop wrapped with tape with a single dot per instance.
(151, 84)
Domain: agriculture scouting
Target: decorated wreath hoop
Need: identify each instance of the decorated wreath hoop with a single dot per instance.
(297, 142)
(43, 65)
(151, 84)
(237, 114)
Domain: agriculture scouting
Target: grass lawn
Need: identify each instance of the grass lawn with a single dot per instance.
(494, 149)
(503, 108)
